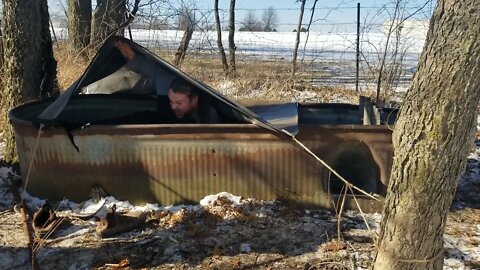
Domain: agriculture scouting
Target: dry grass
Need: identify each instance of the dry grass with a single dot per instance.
(69, 67)
(256, 80)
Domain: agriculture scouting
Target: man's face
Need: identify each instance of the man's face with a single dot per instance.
(182, 104)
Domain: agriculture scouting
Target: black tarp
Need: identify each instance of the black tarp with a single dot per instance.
(108, 60)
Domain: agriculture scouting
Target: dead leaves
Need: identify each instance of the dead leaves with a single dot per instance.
(223, 208)
(334, 246)
(168, 219)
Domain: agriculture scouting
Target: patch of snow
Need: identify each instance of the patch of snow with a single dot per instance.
(149, 207)
(478, 122)
(338, 98)
(5, 172)
(245, 248)
(173, 253)
(16, 259)
(121, 205)
(453, 264)
(31, 201)
(181, 207)
(2, 147)
(5, 191)
(304, 96)
(89, 207)
(208, 200)
(7, 198)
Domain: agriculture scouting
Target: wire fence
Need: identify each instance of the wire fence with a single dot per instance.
(391, 39)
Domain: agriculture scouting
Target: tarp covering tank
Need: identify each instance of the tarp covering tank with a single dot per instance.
(113, 129)
(110, 73)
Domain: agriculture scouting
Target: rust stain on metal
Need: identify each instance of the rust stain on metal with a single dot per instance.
(122, 148)
(173, 164)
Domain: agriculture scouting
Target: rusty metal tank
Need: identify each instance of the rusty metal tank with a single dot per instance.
(114, 128)
(124, 150)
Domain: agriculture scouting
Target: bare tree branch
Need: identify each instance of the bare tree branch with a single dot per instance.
(219, 38)
(297, 40)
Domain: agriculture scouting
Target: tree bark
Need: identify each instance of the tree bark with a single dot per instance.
(219, 39)
(231, 42)
(1, 48)
(432, 138)
(182, 48)
(107, 20)
(79, 22)
(29, 69)
(297, 39)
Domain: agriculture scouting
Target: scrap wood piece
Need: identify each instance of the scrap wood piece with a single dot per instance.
(28, 230)
(122, 264)
(26, 214)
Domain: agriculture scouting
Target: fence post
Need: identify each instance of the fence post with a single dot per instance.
(358, 47)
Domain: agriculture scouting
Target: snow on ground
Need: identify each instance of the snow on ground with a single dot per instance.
(6, 195)
(2, 147)
(225, 230)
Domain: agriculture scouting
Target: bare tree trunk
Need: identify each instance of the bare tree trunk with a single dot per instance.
(107, 20)
(182, 49)
(297, 39)
(308, 28)
(395, 72)
(387, 43)
(231, 42)
(219, 39)
(28, 60)
(49, 82)
(79, 22)
(432, 138)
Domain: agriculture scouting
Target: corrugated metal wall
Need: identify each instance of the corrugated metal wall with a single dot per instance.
(173, 164)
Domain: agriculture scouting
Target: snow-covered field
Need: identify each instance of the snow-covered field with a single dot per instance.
(330, 54)
(330, 46)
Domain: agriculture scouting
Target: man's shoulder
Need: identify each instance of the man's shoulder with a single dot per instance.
(208, 115)
(214, 116)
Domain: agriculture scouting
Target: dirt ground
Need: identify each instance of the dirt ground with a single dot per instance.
(228, 233)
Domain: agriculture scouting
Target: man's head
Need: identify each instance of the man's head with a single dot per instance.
(183, 98)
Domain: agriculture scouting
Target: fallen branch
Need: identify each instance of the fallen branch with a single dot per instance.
(27, 222)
